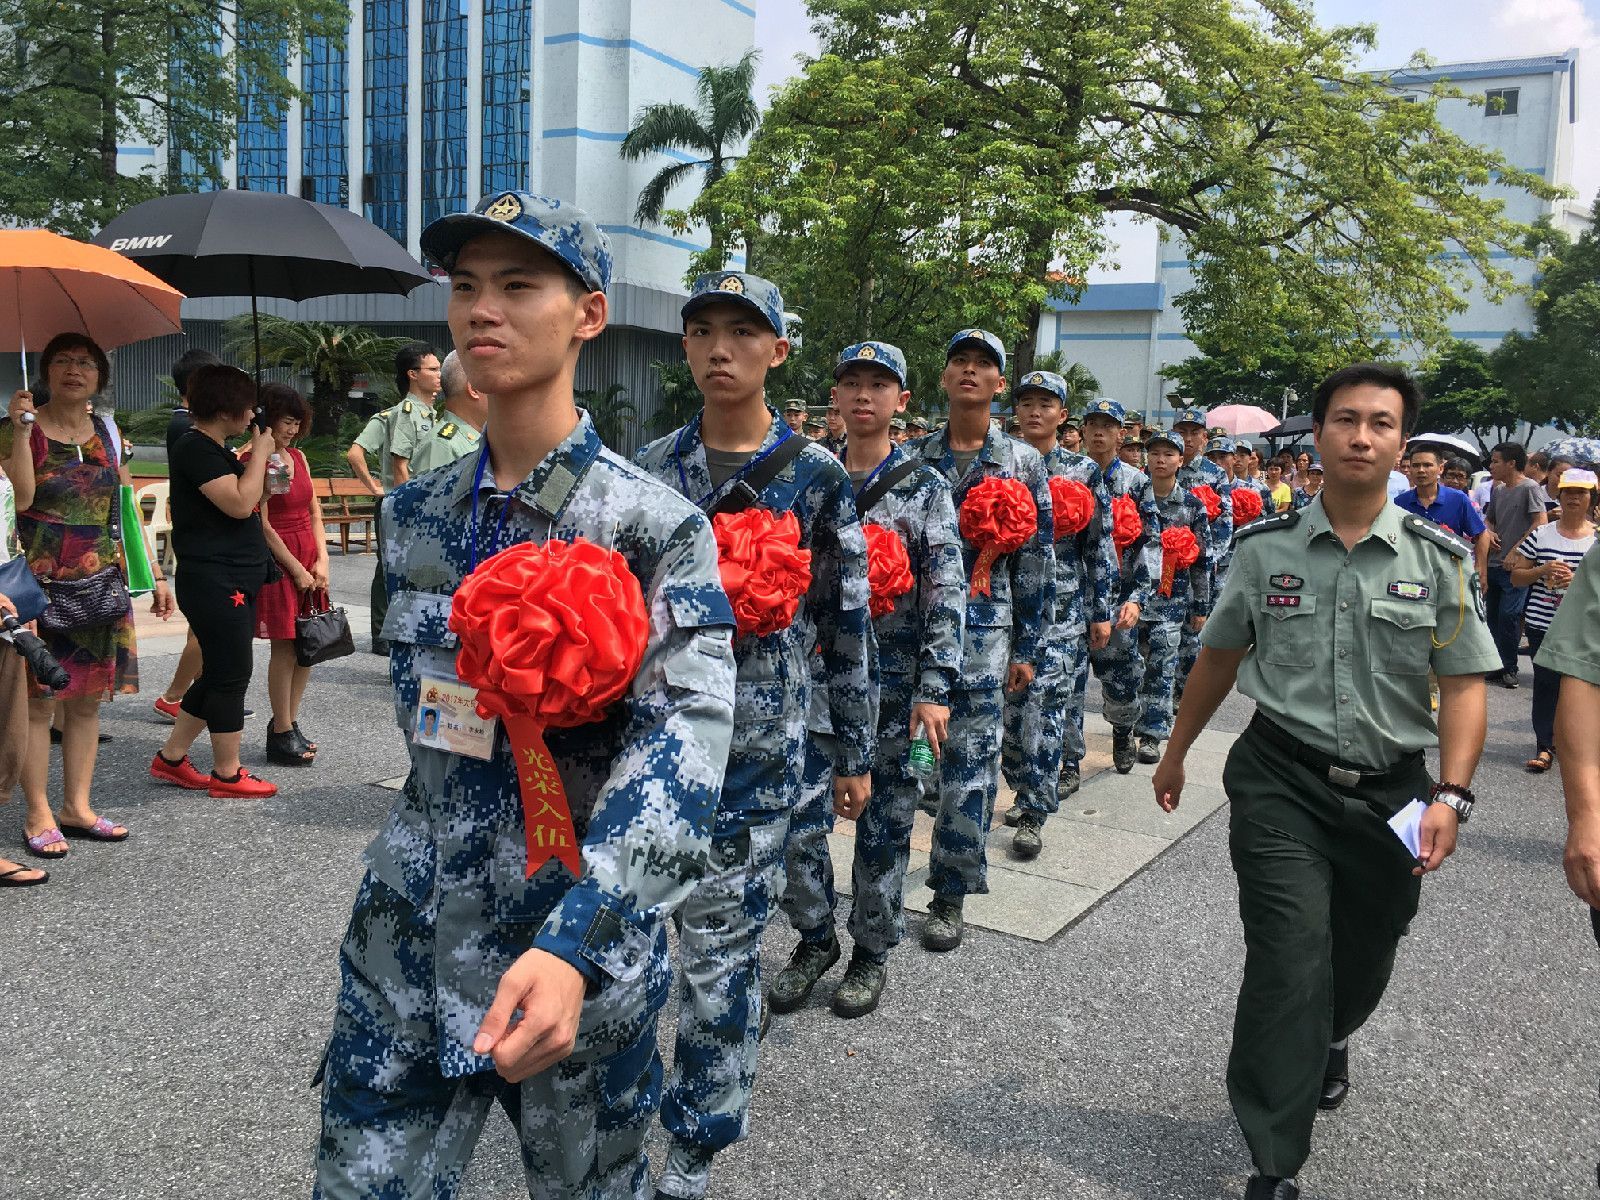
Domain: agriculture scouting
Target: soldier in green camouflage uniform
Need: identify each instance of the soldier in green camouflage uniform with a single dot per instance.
(449, 933)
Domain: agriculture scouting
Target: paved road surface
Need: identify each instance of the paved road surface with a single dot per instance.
(165, 1002)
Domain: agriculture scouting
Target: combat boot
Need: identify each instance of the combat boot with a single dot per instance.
(1122, 750)
(1069, 780)
(809, 963)
(1335, 1079)
(1012, 815)
(858, 992)
(1149, 749)
(1027, 843)
(1270, 1187)
(944, 926)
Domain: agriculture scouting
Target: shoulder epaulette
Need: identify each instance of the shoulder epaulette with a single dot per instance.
(405, 407)
(1284, 520)
(1437, 534)
(448, 429)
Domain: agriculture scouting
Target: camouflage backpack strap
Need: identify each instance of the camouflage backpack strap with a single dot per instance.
(1284, 520)
(1430, 531)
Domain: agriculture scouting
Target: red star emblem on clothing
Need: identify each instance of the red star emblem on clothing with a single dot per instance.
(238, 599)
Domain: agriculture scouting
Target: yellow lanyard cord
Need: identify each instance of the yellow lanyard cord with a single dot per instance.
(1461, 609)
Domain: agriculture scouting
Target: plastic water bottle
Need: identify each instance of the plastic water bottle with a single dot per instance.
(920, 758)
(277, 475)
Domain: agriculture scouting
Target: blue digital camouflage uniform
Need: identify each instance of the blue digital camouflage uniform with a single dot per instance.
(1165, 619)
(445, 907)
(1119, 666)
(1004, 627)
(708, 1099)
(919, 658)
(1218, 546)
(1044, 726)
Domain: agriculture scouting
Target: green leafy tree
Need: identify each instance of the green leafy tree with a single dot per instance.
(1465, 392)
(79, 78)
(726, 116)
(680, 398)
(1278, 362)
(332, 356)
(613, 415)
(1082, 385)
(957, 162)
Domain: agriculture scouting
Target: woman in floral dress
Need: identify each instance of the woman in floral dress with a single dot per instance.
(67, 533)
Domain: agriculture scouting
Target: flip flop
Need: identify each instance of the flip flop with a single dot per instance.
(101, 831)
(39, 841)
(7, 880)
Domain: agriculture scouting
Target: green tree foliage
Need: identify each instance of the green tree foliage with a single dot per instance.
(80, 77)
(1276, 363)
(680, 398)
(935, 162)
(1465, 392)
(333, 356)
(611, 412)
(1553, 374)
(726, 116)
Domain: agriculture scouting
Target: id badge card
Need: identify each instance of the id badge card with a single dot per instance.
(448, 720)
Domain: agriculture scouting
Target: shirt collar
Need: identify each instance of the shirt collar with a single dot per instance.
(1385, 527)
(549, 485)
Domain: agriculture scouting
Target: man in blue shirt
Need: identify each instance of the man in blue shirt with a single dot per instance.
(1444, 505)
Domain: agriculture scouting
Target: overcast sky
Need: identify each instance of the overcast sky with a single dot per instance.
(1448, 30)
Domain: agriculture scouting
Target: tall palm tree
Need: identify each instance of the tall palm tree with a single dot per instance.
(332, 355)
(1082, 386)
(727, 115)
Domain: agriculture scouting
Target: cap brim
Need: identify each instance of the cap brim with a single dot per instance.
(980, 344)
(442, 241)
(706, 299)
(869, 362)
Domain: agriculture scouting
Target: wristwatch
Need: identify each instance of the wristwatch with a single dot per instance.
(1459, 799)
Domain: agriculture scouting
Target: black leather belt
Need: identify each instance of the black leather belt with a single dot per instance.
(1342, 774)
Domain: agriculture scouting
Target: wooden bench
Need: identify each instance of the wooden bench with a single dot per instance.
(346, 503)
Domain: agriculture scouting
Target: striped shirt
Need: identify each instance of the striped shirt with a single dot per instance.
(1544, 544)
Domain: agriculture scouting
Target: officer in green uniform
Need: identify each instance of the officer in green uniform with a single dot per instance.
(1330, 620)
(1572, 649)
(393, 435)
(459, 427)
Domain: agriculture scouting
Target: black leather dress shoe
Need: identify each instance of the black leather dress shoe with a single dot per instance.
(1335, 1080)
(1270, 1187)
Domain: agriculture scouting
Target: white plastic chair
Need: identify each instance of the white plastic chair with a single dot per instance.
(160, 519)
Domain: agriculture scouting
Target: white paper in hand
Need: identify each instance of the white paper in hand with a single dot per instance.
(1407, 826)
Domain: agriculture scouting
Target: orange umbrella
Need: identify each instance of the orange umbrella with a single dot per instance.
(57, 285)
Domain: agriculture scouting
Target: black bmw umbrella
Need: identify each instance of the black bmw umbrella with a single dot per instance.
(231, 243)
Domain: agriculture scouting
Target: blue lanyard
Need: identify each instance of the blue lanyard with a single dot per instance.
(867, 482)
(683, 478)
(505, 508)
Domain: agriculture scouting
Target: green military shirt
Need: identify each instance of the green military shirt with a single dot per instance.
(1572, 645)
(395, 432)
(413, 423)
(453, 438)
(1341, 642)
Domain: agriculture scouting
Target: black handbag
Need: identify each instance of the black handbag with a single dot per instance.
(98, 599)
(22, 589)
(321, 632)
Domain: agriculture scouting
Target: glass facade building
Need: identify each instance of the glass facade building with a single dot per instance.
(262, 159)
(444, 108)
(505, 93)
(189, 169)
(384, 113)
(325, 123)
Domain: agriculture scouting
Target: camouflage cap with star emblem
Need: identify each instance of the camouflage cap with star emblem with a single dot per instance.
(981, 338)
(1104, 406)
(1221, 444)
(877, 354)
(563, 229)
(735, 287)
(1041, 381)
(1189, 416)
(1161, 437)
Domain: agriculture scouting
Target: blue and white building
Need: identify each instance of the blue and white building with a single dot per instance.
(1126, 332)
(429, 104)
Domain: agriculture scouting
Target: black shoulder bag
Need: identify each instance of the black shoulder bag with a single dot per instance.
(748, 490)
(882, 486)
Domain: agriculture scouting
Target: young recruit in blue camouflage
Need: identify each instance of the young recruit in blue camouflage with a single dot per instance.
(1165, 620)
(643, 784)
(919, 657)
(1119, 666)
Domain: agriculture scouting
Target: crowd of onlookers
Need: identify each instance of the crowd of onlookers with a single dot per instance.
(252, 553)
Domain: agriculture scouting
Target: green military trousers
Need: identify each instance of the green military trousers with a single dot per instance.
(1325, 894)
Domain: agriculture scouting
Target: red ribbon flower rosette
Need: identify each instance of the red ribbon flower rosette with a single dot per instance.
(551, 636)
(1246, 506)
(764, 571)
(1207, 495)
(1180, 550)
(888, 568)
(1127, 526)
(997, 516)
(1071, 505)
